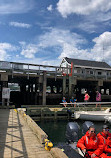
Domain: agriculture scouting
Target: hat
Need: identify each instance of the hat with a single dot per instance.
(105, 126)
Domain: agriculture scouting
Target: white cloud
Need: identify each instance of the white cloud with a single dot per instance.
(50, 8)
(101, 50)
(67, 45)
(18, 6)
(57, 37)
(18, 24)
(73, 52)
(88, 26)
(71, 45)
(102, 47)
(41, 61)
(4, 49)
(67, 7)
(28, 51)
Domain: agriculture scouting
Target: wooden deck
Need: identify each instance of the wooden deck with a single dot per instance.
(16, 139)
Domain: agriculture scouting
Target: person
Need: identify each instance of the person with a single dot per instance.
(72, 100)
(64, 101)
(89, 144)
(86, 97)
(105, 138)
(98, 98)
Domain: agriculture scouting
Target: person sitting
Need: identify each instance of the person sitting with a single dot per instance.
(72, 100)
(105, 138)
(64, 101)
(98, 98)
(89, 144)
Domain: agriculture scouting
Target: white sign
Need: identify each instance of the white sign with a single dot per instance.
(6, 93)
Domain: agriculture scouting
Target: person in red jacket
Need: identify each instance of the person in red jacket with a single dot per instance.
(105, 138)
(89, 144)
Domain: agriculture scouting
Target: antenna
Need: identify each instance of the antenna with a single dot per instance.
(103, 52)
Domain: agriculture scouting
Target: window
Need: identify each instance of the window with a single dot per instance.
(102, 91)
(78, 71)
(83, 90)
(75, 71)
(99, 73)
(107, 73)
(91, 72)
(107, 91)
(14, 86)
(87, 71)
(82, 71)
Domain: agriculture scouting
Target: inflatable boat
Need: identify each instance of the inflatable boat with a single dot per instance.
(72, 137)
(93, 115)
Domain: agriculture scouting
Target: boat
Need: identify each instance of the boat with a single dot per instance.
(108, 119)
(72, 137)
(93, 115)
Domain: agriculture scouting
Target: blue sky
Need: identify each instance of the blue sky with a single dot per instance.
(45, 31)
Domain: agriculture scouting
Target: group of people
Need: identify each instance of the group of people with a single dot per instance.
(86, 99)
(72, 100)
(98, 98)
(96, 146)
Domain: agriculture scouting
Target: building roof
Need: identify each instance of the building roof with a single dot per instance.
(87, 63)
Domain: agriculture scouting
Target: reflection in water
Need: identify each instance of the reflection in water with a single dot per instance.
(56, 129)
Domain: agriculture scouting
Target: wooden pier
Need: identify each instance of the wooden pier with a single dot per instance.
(18, 140)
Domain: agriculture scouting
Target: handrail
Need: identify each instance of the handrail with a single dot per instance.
(85, 103)
(26, 67)
(39, 65)
(82, 103)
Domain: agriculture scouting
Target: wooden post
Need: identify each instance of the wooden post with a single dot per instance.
(64, 85)
(4, 79)
(44, 89)
(70, 86)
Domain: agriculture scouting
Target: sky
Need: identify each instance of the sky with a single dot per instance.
(45, 31)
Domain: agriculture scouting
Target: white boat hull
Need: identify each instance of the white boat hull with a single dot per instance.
(93, 115)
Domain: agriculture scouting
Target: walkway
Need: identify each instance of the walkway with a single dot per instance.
(16, 138)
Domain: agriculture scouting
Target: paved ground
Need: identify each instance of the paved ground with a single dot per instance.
(16, 138)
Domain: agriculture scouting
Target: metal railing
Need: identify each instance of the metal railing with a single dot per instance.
(16, 67)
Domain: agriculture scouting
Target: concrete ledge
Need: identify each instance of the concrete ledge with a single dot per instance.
(34, 127)
(41, 135)
(37, 130)
(58, 153)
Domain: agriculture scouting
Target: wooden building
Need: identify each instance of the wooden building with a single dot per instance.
(32, 84)
(89, 76)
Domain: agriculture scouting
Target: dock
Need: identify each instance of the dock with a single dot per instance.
(19, 137)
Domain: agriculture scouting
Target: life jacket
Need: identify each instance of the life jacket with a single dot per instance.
(102, 137)
(90, 144)
(106, 140)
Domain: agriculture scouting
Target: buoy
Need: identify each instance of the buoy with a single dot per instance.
(48, 145)
(15, 110)
(24, 114)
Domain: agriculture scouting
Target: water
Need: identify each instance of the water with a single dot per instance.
(56, 129)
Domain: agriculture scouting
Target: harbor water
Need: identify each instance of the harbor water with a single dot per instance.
(56, 129)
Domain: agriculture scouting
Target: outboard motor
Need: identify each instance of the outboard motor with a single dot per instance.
(86, 126)
(70, 148)
(72, 130)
